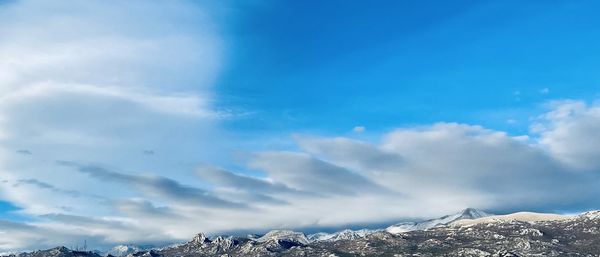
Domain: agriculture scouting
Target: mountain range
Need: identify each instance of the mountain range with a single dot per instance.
(470, 232)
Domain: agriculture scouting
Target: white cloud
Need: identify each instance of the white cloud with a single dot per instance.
(359, 129)
(570, 133)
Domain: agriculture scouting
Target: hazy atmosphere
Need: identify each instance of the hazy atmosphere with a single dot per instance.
(147, 122)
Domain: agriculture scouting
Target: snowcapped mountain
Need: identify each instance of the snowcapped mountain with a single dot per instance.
(284, 235)
(124, 250)
(466, 214)
(346, 234)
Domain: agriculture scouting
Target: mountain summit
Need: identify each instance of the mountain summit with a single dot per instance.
(471, 213)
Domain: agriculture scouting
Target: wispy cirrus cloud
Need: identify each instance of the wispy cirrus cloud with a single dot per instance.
(157, 186)
(224, 178)
(304, 172)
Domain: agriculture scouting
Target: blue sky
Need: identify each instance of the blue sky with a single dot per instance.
(7, 210)
(307, 65)
(148, 122)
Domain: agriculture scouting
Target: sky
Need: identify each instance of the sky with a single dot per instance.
(146, 122)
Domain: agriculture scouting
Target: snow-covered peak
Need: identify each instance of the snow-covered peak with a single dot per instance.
(471, 213)
(288, 235)
(60, 249)
(321, 236)
(346, 234)
(351, 234)
(123, 250)
(466, 214)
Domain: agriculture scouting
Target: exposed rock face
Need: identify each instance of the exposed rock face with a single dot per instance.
(573, 236)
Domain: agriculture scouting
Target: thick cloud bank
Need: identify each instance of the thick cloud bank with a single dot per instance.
(105, 82)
